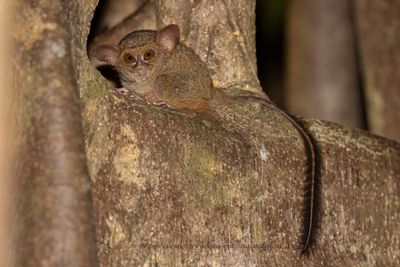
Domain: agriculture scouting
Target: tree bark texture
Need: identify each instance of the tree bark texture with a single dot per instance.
(54, 224)
(379, 40)
(322, 75)
(221, 188)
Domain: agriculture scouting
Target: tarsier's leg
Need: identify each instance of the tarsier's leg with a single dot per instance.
(181, 91)
(175, 86)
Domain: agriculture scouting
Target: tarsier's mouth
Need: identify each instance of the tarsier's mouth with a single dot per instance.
(141, 71)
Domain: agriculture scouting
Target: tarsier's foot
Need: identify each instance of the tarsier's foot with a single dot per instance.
(129, 94)
(132, 95)
(122, 91)
(159, 103)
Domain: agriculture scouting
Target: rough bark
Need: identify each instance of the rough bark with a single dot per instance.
(223, 188)
(322, 75)
(174, 189)
(379, 40)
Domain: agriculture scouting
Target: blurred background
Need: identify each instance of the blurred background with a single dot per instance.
(307, 59)
(335, 60)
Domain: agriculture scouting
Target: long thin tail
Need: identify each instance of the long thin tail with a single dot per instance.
(309, 222)
(310, 192)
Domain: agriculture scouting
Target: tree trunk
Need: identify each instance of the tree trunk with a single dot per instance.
(181, 188)
(322, 75)
(379, 39)
(54, 225)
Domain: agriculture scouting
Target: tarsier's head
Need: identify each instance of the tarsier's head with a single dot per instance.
(140, 54)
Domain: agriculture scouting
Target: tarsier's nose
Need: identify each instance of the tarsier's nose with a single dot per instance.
(141, 68)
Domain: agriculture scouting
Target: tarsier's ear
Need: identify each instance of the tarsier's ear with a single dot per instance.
(168, 37)
(106, 53)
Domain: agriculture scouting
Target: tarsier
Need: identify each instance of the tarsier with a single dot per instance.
(155, 67)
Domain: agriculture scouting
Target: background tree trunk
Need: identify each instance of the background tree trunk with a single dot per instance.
(322, 75)
(54, 225)
(379, 40)
(180, 188)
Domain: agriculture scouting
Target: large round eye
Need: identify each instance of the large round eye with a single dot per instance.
(129, 58)
(149, 54)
